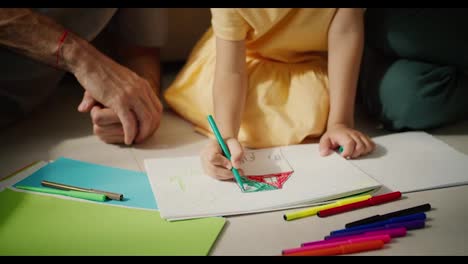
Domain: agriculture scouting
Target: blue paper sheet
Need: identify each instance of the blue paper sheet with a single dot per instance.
(134, 185)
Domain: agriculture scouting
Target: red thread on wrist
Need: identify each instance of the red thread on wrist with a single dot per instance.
(60, 43)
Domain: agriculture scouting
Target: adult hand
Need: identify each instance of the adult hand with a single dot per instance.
(130, 97)
(106, 123)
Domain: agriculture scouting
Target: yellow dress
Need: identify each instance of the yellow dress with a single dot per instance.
(287, 97)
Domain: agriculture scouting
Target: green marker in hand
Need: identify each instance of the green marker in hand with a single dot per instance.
(340, 149)
(225, 149)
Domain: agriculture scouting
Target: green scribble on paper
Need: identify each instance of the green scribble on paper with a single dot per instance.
(179, 182)
(254, 186)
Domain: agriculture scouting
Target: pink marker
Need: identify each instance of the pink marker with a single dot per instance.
(326, 244)
(392, 232)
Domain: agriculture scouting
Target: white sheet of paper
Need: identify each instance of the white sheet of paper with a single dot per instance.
(264, 162)
(414, 161)
(183, 191)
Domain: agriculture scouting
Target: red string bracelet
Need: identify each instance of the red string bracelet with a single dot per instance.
(60, 43)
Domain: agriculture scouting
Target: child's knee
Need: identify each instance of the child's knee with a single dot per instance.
(416, 95)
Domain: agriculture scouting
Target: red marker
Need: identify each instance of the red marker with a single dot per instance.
(342, 249)
(380, 199)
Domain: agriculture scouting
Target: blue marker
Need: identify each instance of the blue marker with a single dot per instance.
(409, 225)
(394, 220)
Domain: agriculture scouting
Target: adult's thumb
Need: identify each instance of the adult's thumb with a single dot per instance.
(87, 102)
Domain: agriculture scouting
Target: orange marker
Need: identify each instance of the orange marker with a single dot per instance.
(342, 249)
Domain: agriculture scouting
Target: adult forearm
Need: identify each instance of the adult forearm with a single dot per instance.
(345, 53)
(37, 36)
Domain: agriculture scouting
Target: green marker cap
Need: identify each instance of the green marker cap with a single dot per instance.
(88, 196)
(340, 149)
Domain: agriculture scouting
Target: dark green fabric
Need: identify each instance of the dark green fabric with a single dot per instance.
(414, 70)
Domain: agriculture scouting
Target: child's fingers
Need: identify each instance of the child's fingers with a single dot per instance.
(360, 146)
(370, 145)
(211, 154)
(214, 163)
(325, 145)
(219, 173)
(219, 160)
(348, 147)
(237, 152)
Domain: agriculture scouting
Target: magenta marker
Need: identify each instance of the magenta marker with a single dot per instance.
(326, 244)
(392, 232)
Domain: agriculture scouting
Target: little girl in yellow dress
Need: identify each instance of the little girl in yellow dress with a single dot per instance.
(263, 73)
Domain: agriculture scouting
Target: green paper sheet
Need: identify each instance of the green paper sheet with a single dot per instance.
(34, 224)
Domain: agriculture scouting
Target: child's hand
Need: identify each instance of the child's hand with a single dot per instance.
(215, 164)
(354, 143)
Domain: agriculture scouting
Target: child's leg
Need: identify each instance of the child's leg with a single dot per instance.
(407, 80)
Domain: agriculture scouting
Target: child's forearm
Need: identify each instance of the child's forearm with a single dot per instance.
(345, 38)
(230, 86)
(229, 99)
